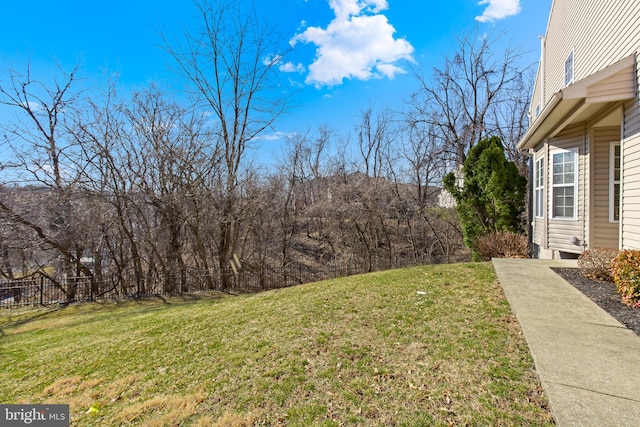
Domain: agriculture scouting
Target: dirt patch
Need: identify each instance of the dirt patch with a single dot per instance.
(605, 295)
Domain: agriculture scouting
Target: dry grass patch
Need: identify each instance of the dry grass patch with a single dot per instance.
(433, 345)
(227, 420)
(161, 410)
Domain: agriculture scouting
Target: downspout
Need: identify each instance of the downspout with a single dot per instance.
(531, 206)
(542, 55)
(622, 180)
(543, 104)
(587, 185)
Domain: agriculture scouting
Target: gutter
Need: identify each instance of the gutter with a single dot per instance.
(548, 109)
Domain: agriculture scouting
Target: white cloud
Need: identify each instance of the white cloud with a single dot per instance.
(277, 136)
(290, 67)
(270, 60)
(498, 9)
(346, 8)
(285, 67)
(35, 106)
(357, 44)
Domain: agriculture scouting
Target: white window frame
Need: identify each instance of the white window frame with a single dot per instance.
(569, 71)
(555, 185)
(539, 195)
(613, 181)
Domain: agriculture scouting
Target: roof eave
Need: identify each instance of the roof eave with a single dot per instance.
(532, 137)
(574, 100)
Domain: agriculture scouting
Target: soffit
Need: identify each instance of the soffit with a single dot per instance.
(582, 101)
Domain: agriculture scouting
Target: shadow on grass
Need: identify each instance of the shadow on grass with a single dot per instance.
(89, 312)
(26, 317)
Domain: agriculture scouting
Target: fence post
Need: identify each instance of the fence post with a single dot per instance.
(41, 290)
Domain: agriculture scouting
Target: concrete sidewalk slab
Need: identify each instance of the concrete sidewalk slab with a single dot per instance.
(588, 362)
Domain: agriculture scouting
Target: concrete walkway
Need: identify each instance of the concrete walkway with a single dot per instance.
(588, 362)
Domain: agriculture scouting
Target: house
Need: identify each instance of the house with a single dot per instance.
(584, 135)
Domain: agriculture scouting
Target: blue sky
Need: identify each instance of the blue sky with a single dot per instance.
(347, 53)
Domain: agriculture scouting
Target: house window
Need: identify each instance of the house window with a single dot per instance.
(564, 184)
(539, 188)
(568, 70)
(614, 182)
(537, 110)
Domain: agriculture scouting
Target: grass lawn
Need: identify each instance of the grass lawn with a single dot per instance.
(433, 345)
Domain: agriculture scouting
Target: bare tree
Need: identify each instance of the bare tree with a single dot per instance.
(231, 64)
(47, 159)
(424, 166)
(101, 131)
(38, 138)
(373, 198)
(375, 136)
(170, 161)
(457, 100)
(511, 118)
(422, 153)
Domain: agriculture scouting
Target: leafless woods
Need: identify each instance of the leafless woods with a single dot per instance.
(97, 184)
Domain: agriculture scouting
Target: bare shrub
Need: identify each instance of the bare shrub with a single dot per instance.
(502, 244)
(595, 263)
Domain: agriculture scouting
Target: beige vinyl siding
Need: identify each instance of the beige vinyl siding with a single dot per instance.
(600, 32)
(536, 98)
(560, 231)
(536, 101)
(630, 213)
(616, 87)
(539, 235)
(605, 233)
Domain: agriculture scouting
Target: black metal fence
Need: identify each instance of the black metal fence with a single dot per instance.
(43, 290)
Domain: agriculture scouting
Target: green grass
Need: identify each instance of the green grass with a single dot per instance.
(423, 346)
